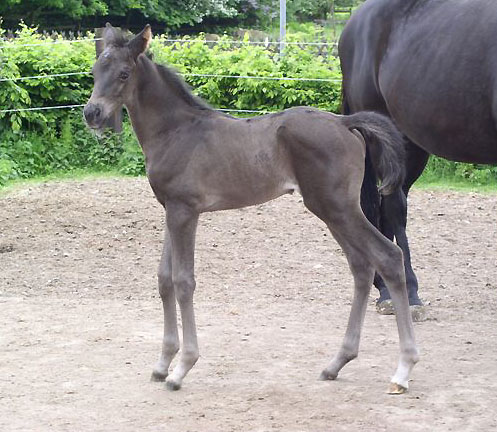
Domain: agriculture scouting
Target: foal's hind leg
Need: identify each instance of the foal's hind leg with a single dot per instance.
(329, 176)
(170, 341)
(363, 277)
(388, 261)
(367, 249)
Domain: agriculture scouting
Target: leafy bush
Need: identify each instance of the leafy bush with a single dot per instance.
(439, 169)
(25, 154)
(197, 58)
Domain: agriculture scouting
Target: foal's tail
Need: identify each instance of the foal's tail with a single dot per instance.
(384, 148)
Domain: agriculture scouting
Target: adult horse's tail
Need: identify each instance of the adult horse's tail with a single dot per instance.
(384, 149)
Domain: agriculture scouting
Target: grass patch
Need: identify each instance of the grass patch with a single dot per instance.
(455, 185)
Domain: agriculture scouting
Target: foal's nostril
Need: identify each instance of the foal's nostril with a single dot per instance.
(92, 113)
(88, 113)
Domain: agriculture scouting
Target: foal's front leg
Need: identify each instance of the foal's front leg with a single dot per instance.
(170, 341)
(182, 226)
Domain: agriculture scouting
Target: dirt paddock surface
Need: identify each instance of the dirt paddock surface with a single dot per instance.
(81, 319)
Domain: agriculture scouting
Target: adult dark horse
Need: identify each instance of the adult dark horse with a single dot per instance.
(431, 65)
(200, 160)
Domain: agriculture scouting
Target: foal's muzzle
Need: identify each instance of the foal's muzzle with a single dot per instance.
(93, 115)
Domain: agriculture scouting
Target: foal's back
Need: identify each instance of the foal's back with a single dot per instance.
(242, 162)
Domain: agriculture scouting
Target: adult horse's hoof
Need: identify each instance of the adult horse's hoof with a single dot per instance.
(396, 389)
(418, 313)
(327, 376)
(385, 307)
(172, 385)
(158, 377)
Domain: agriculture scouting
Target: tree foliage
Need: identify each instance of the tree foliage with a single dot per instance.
(172, 13)
(168, 14)
(35, 9)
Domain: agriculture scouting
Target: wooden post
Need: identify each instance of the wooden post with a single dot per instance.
(333, 19)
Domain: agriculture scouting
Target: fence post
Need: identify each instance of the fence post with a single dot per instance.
(333, 19)
(282, 25)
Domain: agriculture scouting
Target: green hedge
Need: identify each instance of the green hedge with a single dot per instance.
(34, 143)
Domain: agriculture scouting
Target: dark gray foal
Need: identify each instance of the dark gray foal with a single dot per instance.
(200, 160)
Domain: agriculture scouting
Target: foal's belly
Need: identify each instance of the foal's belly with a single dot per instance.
(246, 193)
(249, 170)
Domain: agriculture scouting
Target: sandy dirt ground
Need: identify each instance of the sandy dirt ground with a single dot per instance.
(81, 319)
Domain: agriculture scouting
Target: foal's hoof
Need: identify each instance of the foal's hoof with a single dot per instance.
(396, 389)
(172, 385)
(327, 376)
(385, 307)
(158, 377)
(418, 313)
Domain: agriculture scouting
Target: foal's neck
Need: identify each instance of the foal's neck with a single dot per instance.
(161, 103)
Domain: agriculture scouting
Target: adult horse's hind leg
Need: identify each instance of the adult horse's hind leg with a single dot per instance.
(170, 341)
(393, 224)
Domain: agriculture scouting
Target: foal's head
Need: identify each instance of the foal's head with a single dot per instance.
(114, 74)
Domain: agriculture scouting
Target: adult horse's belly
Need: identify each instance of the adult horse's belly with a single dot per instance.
(448, 131)
(441, 95)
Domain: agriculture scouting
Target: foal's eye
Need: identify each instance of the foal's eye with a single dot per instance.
(123, 76)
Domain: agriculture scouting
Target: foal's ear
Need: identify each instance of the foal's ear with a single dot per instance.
(140, 42)
(110, 34)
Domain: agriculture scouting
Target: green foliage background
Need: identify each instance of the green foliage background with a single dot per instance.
(35, 143)
(70, 14)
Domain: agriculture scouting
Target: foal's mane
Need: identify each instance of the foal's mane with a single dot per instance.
(413, 5)
(183, 90)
